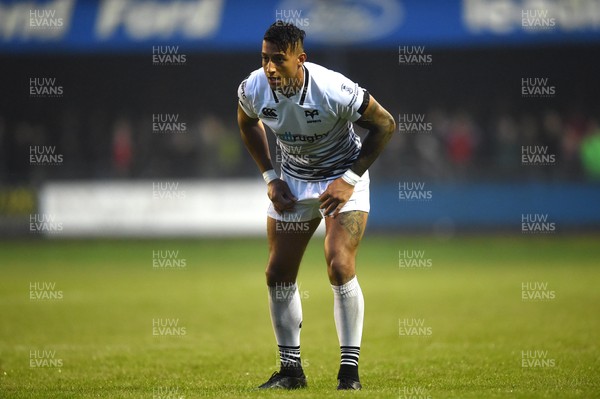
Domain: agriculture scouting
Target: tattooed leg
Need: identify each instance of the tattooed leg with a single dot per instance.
(343, 235)
(354, 223)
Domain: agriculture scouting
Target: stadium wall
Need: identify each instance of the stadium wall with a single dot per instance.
(236, 207)
(481, 206)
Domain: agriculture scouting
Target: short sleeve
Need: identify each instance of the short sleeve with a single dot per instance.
(348, 98)
(244, 99)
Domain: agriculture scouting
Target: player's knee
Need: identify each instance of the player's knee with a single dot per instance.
(340, 269)
(272, 276)
(277, 274)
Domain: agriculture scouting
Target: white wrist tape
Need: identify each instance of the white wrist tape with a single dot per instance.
(350, 177)
(269, 176)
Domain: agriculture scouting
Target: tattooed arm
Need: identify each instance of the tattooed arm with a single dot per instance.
(381, 126)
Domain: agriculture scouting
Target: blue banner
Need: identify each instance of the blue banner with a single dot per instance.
(524, 208)
(134, 26)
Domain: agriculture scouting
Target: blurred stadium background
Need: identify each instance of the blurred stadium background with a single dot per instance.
(456, 69)
(118, 121)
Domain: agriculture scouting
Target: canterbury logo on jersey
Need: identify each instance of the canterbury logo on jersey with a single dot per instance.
(288, 136)
(269, 113)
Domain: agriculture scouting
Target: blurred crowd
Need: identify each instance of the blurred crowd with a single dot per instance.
(462, 146)
(456, 146)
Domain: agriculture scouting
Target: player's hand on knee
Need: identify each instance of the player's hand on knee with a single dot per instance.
(281, 196)
(335, 197)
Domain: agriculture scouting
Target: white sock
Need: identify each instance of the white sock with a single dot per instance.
(348, 312)
(286, 313)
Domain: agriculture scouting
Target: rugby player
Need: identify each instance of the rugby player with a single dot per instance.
(311, 109)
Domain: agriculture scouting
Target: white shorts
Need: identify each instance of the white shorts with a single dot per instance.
(308, 192)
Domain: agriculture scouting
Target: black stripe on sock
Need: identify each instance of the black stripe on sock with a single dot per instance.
(349, 356)
(290, 362)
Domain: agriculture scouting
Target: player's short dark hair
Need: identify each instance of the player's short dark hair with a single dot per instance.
(285, 35)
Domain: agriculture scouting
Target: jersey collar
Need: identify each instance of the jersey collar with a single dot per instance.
(303, 91)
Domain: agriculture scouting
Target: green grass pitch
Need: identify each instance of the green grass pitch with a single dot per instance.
(474, 334)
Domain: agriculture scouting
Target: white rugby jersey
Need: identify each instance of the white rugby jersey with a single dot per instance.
(313, 127)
